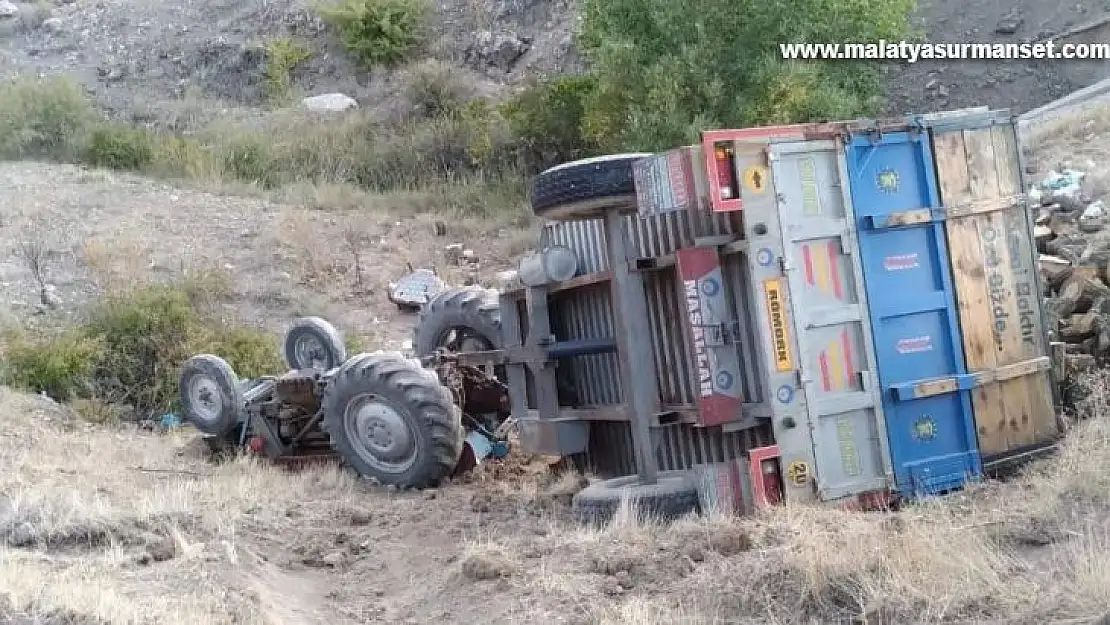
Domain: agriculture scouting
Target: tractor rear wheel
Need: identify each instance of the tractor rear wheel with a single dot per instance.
(461, 319)
(673, 495)
(393, 421)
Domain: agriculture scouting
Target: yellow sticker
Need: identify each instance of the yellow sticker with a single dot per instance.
(755, 178)
(780, 338)
(798, 473)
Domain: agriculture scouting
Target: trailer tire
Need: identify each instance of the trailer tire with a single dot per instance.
(393, 421)
(475, 310)
(673, 495)
(585, 188)
(313, 343)
(211, 398)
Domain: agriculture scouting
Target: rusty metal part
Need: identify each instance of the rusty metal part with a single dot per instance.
(298, 388)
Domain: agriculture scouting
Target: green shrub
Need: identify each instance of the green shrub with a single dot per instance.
(119, 146)
(61, 365)
(283, 57)
(146, 335)
(249, 158)
(47, 118)
(130, 351)
(434, 89)
(661, 78)
(548, 117)
(378, 32)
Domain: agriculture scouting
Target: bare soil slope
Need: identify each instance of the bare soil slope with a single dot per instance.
(141, 58)
(1018, 85)
(103, 229)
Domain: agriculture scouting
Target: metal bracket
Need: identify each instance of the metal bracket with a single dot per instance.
(920, 216)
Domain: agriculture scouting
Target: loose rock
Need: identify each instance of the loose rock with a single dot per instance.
(329, 103)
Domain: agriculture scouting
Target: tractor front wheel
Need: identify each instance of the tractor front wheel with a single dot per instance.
(210, 395)
(393, 421)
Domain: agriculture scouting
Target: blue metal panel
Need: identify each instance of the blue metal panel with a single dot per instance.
(914, 323)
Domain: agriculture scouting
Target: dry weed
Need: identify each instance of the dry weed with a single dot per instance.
(118, 265)
(87, 514)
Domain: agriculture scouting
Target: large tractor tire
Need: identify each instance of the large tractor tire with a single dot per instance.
(674, 494)
(584, 189)
(313, 343)
(392, 421)
(211, 398)
(460, 319)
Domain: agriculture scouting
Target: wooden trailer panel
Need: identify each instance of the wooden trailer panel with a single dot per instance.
(978, 170)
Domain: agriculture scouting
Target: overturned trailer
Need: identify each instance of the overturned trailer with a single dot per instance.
(837, 312)
(843, 312)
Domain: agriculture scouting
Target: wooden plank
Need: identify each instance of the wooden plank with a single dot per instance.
(1028, 325)
(970, 281)
(1001, 284)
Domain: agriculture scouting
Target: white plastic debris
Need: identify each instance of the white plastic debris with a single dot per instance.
(1063, 183)
(1095, 210)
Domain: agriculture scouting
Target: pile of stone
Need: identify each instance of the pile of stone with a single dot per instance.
(1074, 243)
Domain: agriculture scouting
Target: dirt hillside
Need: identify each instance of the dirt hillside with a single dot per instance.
(153, 61)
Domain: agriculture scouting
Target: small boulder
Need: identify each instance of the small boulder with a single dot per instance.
(1009, 25)
(329, 103)
(500, 50)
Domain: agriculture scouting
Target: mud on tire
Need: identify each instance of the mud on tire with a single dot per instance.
(673, 495)
(583, 189)
(455, 316)
(392, 421)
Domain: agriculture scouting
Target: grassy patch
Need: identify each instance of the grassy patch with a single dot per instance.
(283, 57)
(461, 150)
(44, 119)
(128, 353)
(378, 32)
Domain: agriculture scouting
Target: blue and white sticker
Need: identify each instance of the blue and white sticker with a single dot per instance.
(765, 257)
(710, 287)
(785, 394)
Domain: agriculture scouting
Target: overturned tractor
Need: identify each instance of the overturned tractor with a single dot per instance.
(386, 416)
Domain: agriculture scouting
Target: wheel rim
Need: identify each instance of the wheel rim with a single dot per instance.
(381, 434)
(311, 353)
(206, 399)
(463, 339)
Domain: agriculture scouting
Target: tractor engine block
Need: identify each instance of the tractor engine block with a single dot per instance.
(297, 390)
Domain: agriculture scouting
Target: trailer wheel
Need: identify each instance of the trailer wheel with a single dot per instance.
(313, 343)
(461, 319)
(673, 495)
(583, 189)
(392, 421)
(210, 395)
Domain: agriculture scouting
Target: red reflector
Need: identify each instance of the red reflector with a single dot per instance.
(257, 445)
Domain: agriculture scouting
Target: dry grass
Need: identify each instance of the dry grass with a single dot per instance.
(1077, 140)
(89, 515)
(133, 528)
